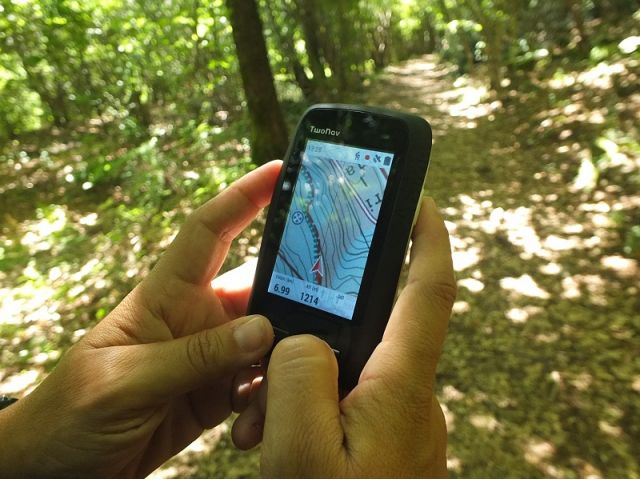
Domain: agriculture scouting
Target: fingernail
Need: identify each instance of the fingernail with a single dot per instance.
(252, 334)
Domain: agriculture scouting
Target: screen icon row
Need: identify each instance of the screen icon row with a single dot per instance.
(386, 159)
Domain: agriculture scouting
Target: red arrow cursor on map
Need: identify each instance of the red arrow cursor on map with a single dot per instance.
(317, 269)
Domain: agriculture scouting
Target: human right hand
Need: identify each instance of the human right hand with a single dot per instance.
(156, 371)
(390, 424)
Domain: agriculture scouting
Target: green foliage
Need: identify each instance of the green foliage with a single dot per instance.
(87, 59)
(118, 118)
(65, 61)
(21, 108)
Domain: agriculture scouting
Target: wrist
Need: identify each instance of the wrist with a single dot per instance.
(14, 456)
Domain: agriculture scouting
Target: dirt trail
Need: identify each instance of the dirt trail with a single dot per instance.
(539, 375)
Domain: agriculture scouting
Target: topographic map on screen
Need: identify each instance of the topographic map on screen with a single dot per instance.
(330, 225)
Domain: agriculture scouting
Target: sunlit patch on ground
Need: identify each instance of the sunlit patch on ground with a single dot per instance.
(75, 237)
(538, 453)
(523, 285)
(625, 267)
(471, 284)
(212, 455)
(26, 304)
(203, 445)
(460, 307)
(486, 422)
(464, 256)
(547, 312)
(598, 77)
(521, 315)
(20, 382)
(467, 101)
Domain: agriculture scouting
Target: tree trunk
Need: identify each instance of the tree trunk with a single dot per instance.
(493, 62)
(286, 44)
(139, 109)
(495, 37)
(614, 10)
(55, 101)
(306, 12)
(575, 12)
(334, 48)
(381, 38)
(344, 55)
(269, 139)
(429, 44)
(61, 116)
(465, 39)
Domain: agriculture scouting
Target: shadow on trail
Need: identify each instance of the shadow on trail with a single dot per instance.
(539, 375)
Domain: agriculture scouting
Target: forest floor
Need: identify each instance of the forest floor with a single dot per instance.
(540, 375)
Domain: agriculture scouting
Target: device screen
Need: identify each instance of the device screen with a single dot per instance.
(330, 225)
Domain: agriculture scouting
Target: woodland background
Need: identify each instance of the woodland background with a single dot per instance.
(119, 117)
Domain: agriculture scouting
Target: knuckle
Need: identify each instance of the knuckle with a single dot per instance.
(201, 218)
(192, 221)
(439, 290)
(300, 353)
(292, 348)
(442, 292)
(198, 222)
(242, 197)
(203, 349)
(431, 351)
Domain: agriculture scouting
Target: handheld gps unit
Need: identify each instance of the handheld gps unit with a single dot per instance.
(338, 228)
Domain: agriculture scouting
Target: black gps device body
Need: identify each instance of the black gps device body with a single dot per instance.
(338, 228)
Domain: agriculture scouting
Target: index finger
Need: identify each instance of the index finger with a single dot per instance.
(200, 247)
(418, 324)
(233, 288)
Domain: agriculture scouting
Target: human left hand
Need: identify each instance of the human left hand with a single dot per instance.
(391, 424)
(153, 374)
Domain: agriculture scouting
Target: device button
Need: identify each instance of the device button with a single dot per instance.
(279, 334)
(327, 339)
(298, 323)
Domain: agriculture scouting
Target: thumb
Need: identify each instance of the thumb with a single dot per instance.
(303, 430)
(166, 369)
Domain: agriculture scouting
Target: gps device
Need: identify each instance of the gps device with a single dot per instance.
(338, 228)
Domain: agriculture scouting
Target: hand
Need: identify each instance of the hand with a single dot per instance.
(157, 370)
(390, 424)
